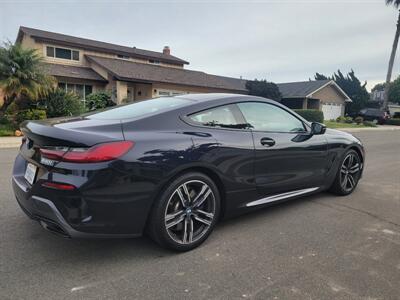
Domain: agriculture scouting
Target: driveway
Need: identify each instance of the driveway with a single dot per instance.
(319, 247)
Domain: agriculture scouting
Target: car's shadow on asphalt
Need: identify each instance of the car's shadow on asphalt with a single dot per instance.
(95, 250)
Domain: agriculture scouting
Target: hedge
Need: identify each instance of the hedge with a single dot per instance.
(393, 122)
(311, 115)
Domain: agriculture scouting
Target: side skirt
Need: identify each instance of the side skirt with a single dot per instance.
(282, 196)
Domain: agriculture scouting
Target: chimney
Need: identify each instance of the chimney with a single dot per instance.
(166, 50)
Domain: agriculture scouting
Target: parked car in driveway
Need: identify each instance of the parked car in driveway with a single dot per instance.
(174, 166)
(374, 114)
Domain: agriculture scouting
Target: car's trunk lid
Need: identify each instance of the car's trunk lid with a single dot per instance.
(67, 132)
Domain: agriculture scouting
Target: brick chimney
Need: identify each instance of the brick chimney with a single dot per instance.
(166, 50)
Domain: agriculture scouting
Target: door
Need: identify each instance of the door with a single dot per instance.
(331, 111)
(234, 153)
(287, 158)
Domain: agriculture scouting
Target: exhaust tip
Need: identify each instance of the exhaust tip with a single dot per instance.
(54, 228)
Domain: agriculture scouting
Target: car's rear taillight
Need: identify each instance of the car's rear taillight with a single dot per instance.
(97, 153)
(59, 186)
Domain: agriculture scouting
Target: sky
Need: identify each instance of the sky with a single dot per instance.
(281, 41)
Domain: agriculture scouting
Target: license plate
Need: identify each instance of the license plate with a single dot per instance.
(30, 173)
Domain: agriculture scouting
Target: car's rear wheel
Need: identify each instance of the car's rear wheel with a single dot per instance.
(348, 174)
(186, 212)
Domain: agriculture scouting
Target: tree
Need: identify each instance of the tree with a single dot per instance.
(319, 76)
(352, 86)
(263, 88)
(396, 4)
(21, 74)
(394, 91)
(378, 87)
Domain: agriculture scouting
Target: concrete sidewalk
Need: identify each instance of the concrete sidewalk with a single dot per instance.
(378, 128)
(10, 142)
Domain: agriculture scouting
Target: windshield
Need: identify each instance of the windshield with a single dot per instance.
(141, 109)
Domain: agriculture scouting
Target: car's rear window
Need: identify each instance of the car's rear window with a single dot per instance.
(141, 109)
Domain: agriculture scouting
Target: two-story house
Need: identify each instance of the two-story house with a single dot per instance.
(131, 74)
(84, 66)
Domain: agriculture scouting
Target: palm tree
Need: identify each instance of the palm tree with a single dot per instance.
(396, 4)
(21, 74)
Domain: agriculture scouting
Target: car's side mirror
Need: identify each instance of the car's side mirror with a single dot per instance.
(317, 128)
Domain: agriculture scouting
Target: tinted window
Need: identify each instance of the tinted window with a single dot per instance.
(142, 109)
(267, 117)
(63, 53)
(223, 116)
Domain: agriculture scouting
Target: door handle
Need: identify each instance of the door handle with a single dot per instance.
(268, 142)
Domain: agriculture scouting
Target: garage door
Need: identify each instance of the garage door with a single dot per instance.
(332, 111)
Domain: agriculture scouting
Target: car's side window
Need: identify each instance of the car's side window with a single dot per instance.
(222, 116)
(268, 117)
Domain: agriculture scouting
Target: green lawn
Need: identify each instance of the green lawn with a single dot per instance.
(331, 124)
(6, 130)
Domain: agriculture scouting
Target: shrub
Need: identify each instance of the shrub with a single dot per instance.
(98, 100)
(358, 120)
(27, 114)
(4, 120)
(393, 122)
(6, 130)
(59, 103)
(369, 124)
(348, 120)
(341, 119)
(311, 115)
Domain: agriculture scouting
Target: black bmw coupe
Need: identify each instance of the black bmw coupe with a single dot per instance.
(174, 166)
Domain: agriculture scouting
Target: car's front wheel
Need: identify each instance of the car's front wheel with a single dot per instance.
(186, 212)
(348, 174)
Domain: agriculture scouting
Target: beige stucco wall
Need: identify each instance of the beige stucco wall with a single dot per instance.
(122, 91)
(143, 91)
(329, 94)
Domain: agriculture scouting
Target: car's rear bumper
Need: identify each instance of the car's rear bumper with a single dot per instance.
(51, 219)
(106, 202)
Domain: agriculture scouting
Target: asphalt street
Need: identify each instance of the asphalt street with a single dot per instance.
(318, 247)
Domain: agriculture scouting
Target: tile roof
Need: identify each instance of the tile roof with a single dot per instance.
(132, 71)
(72, 72)
(300, 89)
(97, 45)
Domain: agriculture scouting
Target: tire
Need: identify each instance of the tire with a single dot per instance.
(348, 174)
(182, 223)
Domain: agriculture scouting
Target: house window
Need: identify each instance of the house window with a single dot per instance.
(163, 93)
(154, 62)
(50, 51)
(75, 55)
(62, 53)
(82, 90)
(122, 56)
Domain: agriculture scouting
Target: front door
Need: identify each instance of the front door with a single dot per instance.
(283, 161)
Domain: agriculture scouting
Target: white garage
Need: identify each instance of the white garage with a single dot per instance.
(332, 111)
(324, 95)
